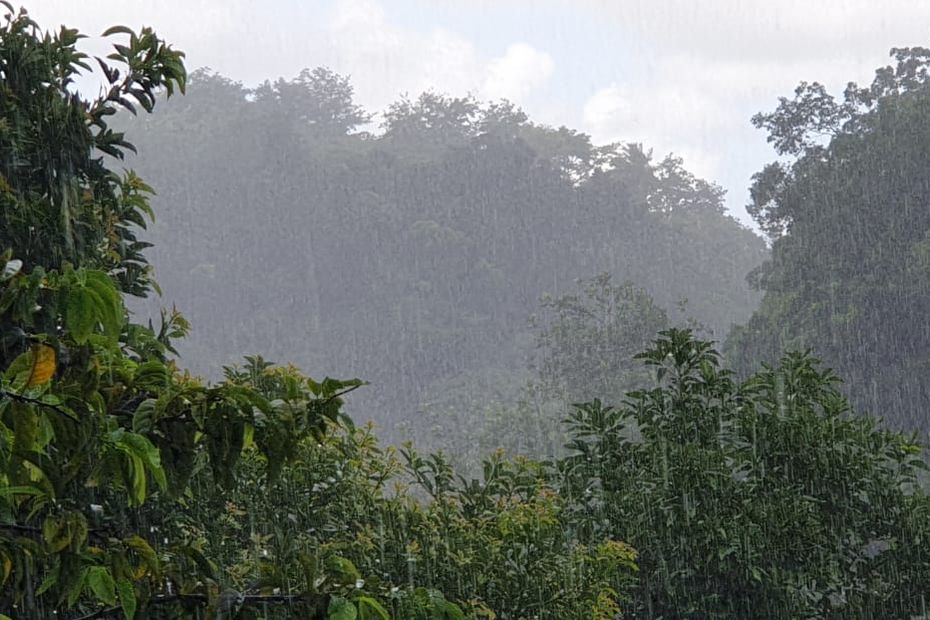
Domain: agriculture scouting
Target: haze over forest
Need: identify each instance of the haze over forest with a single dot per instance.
(620, 362)
(429, 245)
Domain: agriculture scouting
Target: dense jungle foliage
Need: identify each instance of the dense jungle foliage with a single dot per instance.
(847, 210)
(131, 488)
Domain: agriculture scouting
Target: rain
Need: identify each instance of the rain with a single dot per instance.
(395, 309)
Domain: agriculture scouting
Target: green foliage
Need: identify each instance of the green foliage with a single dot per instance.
(428, 243)
(100, 434)
(403, 535)
(848, 271)
(762, 498)
(587, 340)
(129, 487)
(59, 200)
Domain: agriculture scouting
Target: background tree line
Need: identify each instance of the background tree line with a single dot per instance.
(129, 487)
(431, 239)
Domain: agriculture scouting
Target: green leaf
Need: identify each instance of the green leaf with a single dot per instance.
(151, 374)
(117, 30)
(55, 534)
(369, 609)
(140, 448)
(146, 553)
(74, 592)
(80, 315)
(8, 491)
(452, 611)
(50, 580)
(341, 609)
(143, 420)
(206, 567)
(108, 305)
(101, 583)
(19, 370)
(342, 568)
(127, 598)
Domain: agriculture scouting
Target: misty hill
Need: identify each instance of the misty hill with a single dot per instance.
(414, 255)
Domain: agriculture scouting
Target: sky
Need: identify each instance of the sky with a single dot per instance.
(678, 76)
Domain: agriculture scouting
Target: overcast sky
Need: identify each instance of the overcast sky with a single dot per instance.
(680, 76)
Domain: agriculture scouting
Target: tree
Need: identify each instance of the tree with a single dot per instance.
(319, 99)
(97, 426)
(429, 244)
(849, 229)
(765, 498)
(586, 340)
(60, 202)
(123, 479)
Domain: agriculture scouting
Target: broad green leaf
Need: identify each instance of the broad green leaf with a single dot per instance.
(127, 598)
(20, 490)
(108, 305)
(7, 566)
(50, 580)
(152, 373)
(143, 420)
(80, 315)
(452, 611)
(74, 593)
(341, 609)
(19, 369)
(195, 554)
(118, 30)
(343, 568)
(138, 481)
(248, 436)
(146, 553)
(139, 447)
(101, 583)
(370, 609)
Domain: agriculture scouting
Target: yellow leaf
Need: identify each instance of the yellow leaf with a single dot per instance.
(43, 365)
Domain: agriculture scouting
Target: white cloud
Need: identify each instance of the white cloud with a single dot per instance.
(662, 115)
(354, 37)
(674, 74)
(784, 31)
(386, 60)
(517, 73)
(608, 113)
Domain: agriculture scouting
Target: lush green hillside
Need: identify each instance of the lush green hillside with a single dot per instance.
(130, 488)
(414, 257)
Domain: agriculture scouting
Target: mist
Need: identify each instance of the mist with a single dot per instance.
(360, 309)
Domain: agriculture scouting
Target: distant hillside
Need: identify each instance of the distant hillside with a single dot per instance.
(416, 255)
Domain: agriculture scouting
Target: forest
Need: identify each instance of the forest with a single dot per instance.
(572, 385)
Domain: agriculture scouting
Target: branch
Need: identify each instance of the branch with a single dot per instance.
(342, 393)
(35, 401)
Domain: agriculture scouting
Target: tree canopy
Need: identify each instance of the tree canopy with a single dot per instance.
(131, 488)
(427, 238)
(123, 479)
(849, 222)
